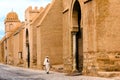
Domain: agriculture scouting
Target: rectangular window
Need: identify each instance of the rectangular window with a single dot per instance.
(20, 55)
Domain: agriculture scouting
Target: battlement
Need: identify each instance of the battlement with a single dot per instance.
(32, 10)
(30, 13)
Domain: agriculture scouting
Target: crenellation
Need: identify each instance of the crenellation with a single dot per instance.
(41, 9)
(34, 10)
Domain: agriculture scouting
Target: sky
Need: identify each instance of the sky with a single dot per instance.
(19, 7)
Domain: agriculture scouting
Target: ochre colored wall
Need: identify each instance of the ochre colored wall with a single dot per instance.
(50, 31)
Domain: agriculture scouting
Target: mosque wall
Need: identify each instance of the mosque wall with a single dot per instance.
(81, 35)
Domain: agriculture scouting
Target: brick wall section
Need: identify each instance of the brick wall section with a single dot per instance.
(88, 24)
(16, 48)
(67, 54)
(108, 30)
(2, 52)
(50, 31)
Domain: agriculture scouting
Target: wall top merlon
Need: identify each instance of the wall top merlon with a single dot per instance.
(41, 8)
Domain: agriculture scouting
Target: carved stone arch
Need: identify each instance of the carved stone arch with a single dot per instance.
(77, 37)
(81, 7)
(80, 2)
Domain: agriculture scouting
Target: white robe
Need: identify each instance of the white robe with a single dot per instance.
(47, 64)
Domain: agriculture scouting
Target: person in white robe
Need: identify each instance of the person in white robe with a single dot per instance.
(47, 64)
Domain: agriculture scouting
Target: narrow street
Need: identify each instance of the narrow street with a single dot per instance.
(15, 73)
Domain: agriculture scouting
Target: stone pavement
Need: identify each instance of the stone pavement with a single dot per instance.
(15, 73)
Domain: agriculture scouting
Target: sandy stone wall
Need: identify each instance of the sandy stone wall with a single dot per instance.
(66, 42)
(100, 32)
(88, 26)
(89, 38)
(2, 52)
(18, 48)
(107, 27)
(50, 30)
(10, 50)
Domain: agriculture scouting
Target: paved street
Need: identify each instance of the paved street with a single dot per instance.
(15, 73)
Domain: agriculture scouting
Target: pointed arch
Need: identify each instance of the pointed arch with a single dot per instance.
(77, 37)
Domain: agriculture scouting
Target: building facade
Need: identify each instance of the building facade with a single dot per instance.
(78, 35)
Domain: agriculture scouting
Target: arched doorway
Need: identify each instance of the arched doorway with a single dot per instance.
(27, 48)
(77, 35)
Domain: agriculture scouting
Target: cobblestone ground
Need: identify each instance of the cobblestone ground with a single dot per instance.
(15, 73)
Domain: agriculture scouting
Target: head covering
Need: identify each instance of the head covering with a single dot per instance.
(46, 60)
